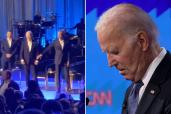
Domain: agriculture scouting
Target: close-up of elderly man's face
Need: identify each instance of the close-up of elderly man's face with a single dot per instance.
(123, 53)
(126, 41)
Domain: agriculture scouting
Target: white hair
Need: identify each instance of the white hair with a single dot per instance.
(126, 19)
(30, 32)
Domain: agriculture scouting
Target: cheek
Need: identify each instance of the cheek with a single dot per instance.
(128, 61)
(124, 61)
(134, 62)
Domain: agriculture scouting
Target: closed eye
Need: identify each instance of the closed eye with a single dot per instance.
(114, 52)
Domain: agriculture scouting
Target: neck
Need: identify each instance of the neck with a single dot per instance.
(29, 40)
(7, 80)
(60, 39)
(147, 58)
(153, 52)
(9, 38)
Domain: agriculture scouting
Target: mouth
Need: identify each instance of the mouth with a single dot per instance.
(122, 72)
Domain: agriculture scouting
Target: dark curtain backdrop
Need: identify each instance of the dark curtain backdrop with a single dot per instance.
(68, 13)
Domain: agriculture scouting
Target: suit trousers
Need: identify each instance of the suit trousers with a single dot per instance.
(30, 68)
(61, 70)
(7, 63)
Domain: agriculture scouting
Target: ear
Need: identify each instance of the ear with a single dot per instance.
(143, 40)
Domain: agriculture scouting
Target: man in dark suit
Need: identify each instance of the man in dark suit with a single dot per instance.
(8, 49)
(128, 36)
(28, 53)
(62, 47)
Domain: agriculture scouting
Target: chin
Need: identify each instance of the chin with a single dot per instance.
(128, 77)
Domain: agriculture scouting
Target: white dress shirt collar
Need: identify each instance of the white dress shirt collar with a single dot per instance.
(61, 43)
(152, 67)
(29, 45)
(9, 40)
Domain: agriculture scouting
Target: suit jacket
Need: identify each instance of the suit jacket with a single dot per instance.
(12, 84)
(61, 55)
(156, 98)
(29, 57)
(6, 49)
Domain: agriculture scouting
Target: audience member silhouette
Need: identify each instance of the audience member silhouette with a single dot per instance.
(33, 90)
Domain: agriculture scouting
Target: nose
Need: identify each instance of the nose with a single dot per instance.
(111, 60)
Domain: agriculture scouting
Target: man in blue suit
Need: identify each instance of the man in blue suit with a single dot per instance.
(62, 58)
(8, 49)
(28, 53)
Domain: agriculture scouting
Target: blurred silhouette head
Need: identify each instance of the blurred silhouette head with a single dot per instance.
(31, 111)
(52, 106)
(33, 85)
(6, 75)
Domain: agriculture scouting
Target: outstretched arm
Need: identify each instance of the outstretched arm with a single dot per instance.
(45, 50)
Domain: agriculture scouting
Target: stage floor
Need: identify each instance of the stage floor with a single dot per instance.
(50, 92)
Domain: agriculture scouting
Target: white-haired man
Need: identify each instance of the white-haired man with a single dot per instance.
(128, 36)
(28, 53)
